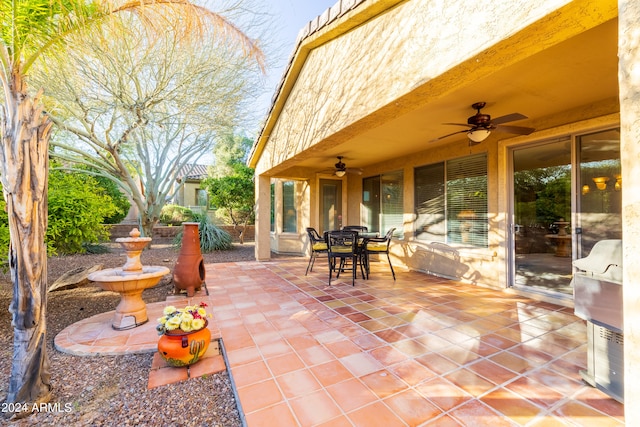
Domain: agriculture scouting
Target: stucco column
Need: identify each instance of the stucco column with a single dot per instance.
(629, 80)
(263, 218)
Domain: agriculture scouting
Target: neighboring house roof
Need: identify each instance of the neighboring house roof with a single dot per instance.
(193, 172)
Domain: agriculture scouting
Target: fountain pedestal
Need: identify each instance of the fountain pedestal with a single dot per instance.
(130, 281)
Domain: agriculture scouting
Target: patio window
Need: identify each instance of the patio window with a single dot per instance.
(451, 201)
(289, 207)
(273, 208)
(382, 202)
(202, 197)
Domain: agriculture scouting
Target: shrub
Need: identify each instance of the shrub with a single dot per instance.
(212, 238)
(4, 235)
(76, 212)
(118, 198)
(175, 214)
(77, 208)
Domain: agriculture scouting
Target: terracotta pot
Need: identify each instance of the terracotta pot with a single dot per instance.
(180, 348)
(189, 274)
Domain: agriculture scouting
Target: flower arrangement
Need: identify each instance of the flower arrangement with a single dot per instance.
(188, 319)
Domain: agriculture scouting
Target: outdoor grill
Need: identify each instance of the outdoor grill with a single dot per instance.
(598, 299)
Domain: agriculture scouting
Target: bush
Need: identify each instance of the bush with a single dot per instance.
(212, 238)
(4, 235)
(118, 198)
(77, 209)
(175, 214)
(76, 212)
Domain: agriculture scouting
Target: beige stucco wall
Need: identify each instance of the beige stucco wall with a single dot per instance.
(341, 82)
(629, 76)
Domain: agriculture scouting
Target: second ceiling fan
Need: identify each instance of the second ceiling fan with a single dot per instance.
(341, 168)
(480, 125)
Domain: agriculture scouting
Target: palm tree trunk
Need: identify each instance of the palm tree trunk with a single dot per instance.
(25, 170)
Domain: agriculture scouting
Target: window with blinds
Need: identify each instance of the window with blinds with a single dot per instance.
(383, 202)
(429, 200)
(451, 201)
(289, 208)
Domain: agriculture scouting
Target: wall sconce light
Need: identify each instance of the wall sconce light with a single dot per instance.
(585, 189)
(601, 182)
(618, 185)
(478, 135)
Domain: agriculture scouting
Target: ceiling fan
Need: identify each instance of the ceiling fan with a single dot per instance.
(480, 125)
(341, 168)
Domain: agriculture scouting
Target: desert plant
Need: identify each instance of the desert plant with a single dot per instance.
(212, 237)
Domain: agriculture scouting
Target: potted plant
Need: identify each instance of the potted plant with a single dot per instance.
(184, 336)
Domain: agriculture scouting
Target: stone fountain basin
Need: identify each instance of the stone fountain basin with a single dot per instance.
(117, 280)
(131, 310)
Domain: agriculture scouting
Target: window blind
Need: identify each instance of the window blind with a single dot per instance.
(466, 200)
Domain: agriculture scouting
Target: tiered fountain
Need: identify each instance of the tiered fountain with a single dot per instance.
(130, 281)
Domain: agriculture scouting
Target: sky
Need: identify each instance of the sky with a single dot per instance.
(291, 15)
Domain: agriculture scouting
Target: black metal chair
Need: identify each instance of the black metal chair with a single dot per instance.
(343, 247)
(318, 246)
(358, 228)
(380, 245)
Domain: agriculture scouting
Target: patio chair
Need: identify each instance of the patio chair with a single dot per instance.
(318, 246)
(358, 228)
(380, 245)
(343, 248)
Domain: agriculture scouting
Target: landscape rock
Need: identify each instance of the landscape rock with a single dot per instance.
(74, 278)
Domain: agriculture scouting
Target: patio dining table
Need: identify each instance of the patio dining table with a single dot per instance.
(363, 239)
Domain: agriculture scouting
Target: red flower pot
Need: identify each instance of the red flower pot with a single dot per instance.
(188, 273)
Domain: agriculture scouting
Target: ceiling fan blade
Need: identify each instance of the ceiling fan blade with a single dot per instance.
(508, 118)
(519, 130)
(459, 124)
(356, 171)
(446, 136)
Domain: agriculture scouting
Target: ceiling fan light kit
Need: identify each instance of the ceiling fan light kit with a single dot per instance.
(478, 135)
(340, 169)
(480, 125)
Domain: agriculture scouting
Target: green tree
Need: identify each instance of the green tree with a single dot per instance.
(230, 150)
(141, 112)
(29, 30)
(235, 194)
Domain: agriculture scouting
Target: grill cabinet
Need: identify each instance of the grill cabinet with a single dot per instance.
(597, 285)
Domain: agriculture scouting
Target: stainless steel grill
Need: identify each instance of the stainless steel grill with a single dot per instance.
(597, 285)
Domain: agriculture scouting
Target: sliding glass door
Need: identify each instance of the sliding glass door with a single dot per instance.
(562, 204)
(542, 216)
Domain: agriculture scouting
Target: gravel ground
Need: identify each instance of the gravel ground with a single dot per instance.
(112, 390)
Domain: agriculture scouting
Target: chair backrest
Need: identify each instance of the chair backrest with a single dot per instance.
(389, 234)
(343, 242)
(314, 236)
(360, 228)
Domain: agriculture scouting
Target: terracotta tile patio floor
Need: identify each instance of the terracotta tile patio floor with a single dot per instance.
(420, 351)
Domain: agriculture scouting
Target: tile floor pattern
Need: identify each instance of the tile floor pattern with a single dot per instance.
(420, 351)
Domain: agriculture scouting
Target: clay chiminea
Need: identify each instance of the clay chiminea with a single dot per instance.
(188, 273)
